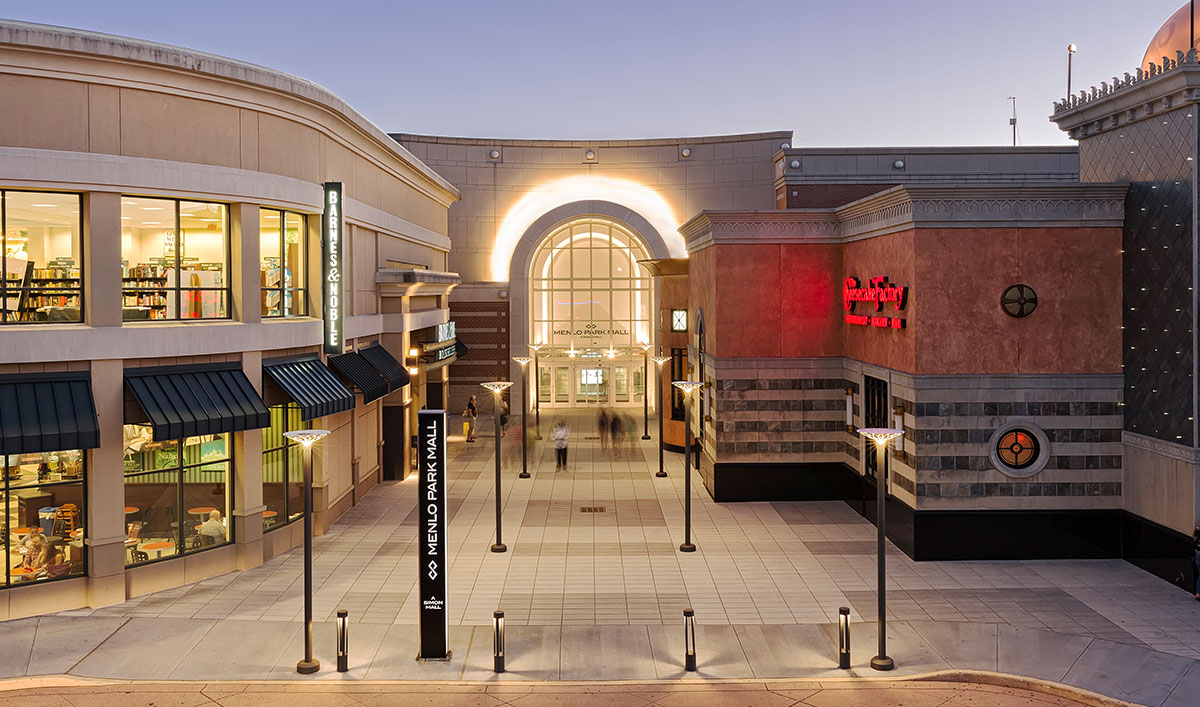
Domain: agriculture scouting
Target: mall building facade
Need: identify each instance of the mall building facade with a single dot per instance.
(174, 301)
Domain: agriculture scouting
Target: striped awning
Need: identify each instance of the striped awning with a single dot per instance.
(310, 385)
(188, 401)
(387, 365)
(47, 413)
(354, 369)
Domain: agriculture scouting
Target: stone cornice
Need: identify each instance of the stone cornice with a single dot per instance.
(665, 266)
(402, 282)
(781, 135)
(1161, 447)
(1130, 101)
(904, 208)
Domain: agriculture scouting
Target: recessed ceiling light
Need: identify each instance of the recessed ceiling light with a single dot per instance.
(44, 206)
(126, 218)
(210, 220)
(152, 208)
(129, 203)
(150, 223)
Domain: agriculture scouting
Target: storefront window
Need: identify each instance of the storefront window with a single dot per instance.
(42, 530)
(283, 471)
(174, 259)
(282, 259)
(176, 494)
(42, 265)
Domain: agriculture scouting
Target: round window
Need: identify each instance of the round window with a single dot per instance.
(1019, 449)
(1019, 301)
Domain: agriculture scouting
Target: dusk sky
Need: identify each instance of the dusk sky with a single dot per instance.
(854, 72)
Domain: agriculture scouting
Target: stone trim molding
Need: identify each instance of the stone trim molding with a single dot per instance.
(781, 135)
(904, 208)
(1171, 450)
(1139, 96)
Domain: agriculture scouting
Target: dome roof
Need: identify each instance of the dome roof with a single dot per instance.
(1171, 37)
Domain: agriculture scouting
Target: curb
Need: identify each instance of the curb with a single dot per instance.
(977, 677)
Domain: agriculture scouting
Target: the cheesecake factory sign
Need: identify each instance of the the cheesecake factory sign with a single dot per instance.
(878, 295)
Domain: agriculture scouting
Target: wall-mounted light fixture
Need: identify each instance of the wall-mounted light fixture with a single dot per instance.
(589, 156)
(849, 409)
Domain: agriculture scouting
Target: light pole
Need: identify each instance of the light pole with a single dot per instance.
(687, 387)
(537, 394)
(660, 360)
(1070, 54)
(881, 436)
(497, 387)
(524, 361)
(645, 391)
(307, 437)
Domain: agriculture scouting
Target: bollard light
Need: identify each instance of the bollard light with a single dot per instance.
(498, 641)
(343, 640)
(844, 638)
(689, 640)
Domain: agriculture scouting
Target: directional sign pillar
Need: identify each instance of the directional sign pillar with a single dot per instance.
(431, 505)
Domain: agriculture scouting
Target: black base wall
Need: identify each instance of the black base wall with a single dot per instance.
(970, 535)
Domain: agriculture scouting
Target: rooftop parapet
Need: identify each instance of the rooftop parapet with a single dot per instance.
(1136, 96)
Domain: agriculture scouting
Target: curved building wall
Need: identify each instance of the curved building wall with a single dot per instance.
(107, 125)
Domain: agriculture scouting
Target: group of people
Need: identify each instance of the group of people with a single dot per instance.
(618, 433)
(39, 555)
(471, 414)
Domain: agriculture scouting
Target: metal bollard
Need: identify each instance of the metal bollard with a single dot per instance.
(498, 641)
(343, 640)
(844, 638)
(689, 640)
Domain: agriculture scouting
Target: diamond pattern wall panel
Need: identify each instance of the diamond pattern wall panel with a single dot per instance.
(1159, 344)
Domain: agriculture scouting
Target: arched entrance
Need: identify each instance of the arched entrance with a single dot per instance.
(590, 307)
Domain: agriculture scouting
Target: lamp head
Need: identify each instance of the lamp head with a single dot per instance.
(1071, 48)
(611, 353)
(687, 386)
(497, 387)
(535, 347)
(660, 360)
(645, 347)
(523, 360)
(305, 437)
(880, 435)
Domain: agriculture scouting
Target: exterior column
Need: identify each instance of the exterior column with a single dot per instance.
(244, 246)
(106, 531)
(102, 265)
(248, 478)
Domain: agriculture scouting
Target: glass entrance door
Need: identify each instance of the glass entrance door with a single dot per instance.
(592, 385)
(586, 383)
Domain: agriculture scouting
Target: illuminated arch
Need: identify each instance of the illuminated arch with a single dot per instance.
(634, 199)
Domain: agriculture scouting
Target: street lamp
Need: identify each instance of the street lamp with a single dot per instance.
(645, 391)
(307, 437)
(687, 387)
(660, 360)
(881, 436)
(1071, 48)
(524, 361)
(537, 395)
(497, 387)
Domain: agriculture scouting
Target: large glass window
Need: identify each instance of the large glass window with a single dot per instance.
(282, 260)
(42, 530)
(588, 289)
(283, 473)
(43, 263)
(176, 494)
(174, 259)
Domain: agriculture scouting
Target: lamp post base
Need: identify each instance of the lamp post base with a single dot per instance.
(882, 662)
(308, 667)
(524, 475)
(687, 547)
(645, 436)
(661, 474)
(499, 547)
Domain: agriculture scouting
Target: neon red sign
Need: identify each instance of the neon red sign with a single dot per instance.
(877, 291)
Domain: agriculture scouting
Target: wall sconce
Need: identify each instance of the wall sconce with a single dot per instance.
(844, 638)
(498, 641)
(849, 409)
(590, 155)
(689, 640)
(343, 640)
(413, 370)
(413, 352)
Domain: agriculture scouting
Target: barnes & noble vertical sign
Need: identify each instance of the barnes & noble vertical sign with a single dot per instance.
(332, 227)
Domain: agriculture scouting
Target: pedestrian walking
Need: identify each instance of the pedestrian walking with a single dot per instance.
(504, 416)
(617, 430)
(1196, 563)
(602, 423)
(471, 413)
(560, 436)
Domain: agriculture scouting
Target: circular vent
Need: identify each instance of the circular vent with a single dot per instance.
(1019, 301)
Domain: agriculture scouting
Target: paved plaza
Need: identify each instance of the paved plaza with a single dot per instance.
(600, 594)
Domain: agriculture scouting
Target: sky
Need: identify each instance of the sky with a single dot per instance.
(837, 73)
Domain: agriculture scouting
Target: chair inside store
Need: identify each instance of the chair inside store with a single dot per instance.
(66, 520)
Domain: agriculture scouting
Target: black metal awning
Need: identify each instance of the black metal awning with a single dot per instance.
(310, 385)
(354, 369)
(387, 365)
(187, 401)
(47, 413)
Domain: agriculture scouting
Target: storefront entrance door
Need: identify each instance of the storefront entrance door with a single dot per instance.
(591, 383)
